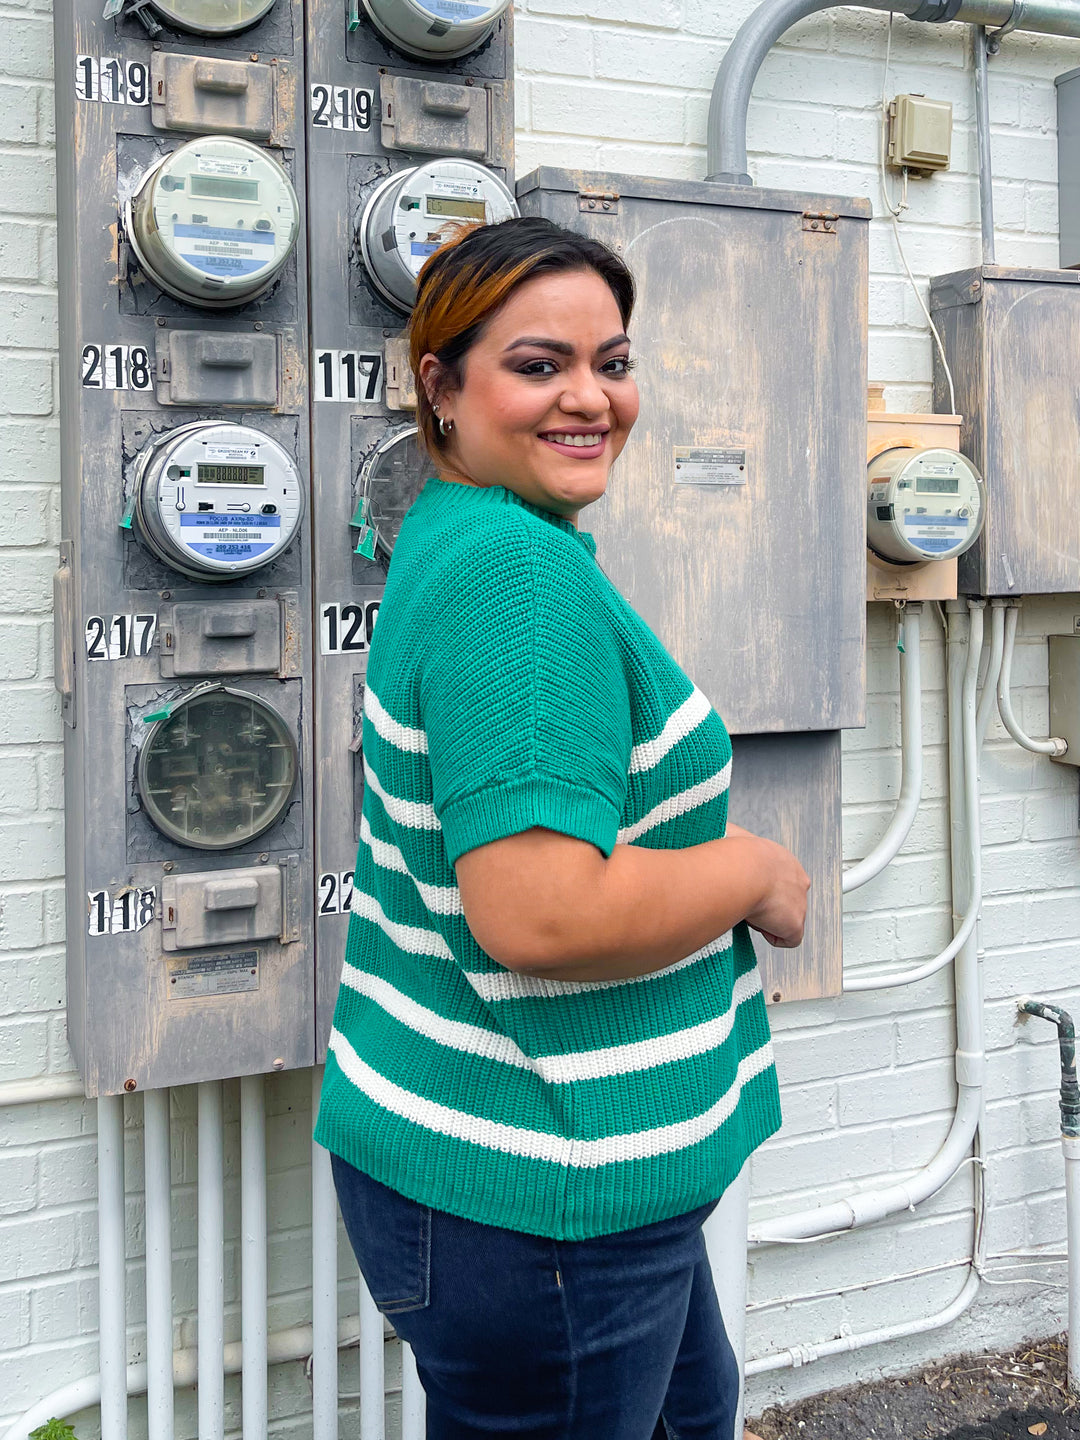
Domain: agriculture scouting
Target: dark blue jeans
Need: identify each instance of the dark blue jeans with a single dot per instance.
(614, 1338)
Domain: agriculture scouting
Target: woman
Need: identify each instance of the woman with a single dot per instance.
(550, 1052)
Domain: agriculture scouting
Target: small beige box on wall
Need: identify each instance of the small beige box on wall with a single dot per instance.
(920, 134)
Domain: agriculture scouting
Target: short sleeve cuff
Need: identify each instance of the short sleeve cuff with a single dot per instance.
(525, 803)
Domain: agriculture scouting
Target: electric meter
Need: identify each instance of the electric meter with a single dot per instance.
(212, 17)
(216, 500)
(436, 29)
(392, 478)
(217, 768)
(214, 222)
(923, 505)
(415, 211)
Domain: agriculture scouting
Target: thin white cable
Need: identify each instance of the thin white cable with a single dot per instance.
(896, 210)
(1008, 616)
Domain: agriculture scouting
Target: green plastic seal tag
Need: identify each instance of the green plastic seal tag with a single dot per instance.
(365, 544)
(129, 510)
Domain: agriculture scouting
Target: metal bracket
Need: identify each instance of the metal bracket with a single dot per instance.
(599, 201)
(823, 222)
(995, 37)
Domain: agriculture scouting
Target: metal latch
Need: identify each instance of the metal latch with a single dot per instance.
(601, 201)
(823, 221)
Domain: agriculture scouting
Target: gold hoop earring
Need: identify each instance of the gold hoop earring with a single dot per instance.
(445, 427)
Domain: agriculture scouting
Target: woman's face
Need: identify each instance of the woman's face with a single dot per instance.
(547, 399)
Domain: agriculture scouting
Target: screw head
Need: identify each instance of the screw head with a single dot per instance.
(130, 1085)
(258, 325)
(263, 858)
(775, 996)
(166, 594)
(167, 866)
(162, 322)
(279, 1063)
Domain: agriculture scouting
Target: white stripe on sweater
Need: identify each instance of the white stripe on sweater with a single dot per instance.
(405, 737)
(540, 1145)
(412, 813)
(680, 723)
(410, 938)
(561, 1069)
(679, 804)
(508, 985)
(439, 899)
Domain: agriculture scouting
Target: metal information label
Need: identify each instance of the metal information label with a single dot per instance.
(191, 976)
(709, 466)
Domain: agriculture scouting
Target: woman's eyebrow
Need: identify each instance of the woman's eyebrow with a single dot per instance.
(561, 347)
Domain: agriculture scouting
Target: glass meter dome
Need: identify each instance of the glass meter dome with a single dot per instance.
(216, 769)
(214, 222)
(212, 17)
(436, 29)
(415, 211)
(923, 504)
(392, 477)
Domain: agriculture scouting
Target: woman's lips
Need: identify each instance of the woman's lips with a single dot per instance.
(576, 444)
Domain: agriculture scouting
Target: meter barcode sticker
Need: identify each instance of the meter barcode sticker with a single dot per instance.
(118, 637)
(695, 465)
(349, 375)
(462, 189)
(221, 165)
(115, 367)
(347, 629)
(124, 913)
(191, 976)
(457, 10)
(335, 892)
(111, 80)
(232, 454)
(340, 107)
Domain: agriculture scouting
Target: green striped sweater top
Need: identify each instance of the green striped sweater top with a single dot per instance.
(509, 685)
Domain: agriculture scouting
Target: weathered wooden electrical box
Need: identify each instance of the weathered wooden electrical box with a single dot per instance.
(1012, 338)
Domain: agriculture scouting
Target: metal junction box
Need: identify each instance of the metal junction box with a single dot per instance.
(735, 520)
(1068, 116)
(1012, 338)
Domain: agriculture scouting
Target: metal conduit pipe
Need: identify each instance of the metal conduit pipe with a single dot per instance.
(1006, 614)
(282, 1346)
(982, 135)
(866, 1206)
(911, 757)
(324, 1285)
(211, 1261)
(988, 698)
(112, 1268)
(41, 1087)
(253, 1384)
(413, 1403)
(763, 28)
(160, 1414)
(372, 1368)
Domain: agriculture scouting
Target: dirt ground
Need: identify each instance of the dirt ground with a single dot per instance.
(974, 1397)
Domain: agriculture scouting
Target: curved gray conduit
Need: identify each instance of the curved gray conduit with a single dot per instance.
(760, 32)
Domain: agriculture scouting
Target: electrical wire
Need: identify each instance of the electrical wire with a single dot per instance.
(896, 210)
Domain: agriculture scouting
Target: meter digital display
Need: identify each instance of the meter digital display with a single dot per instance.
(214, 222)
(415, 211)
(217, 769)
(923, 505)
(247, 519)
(212, 17)
(391, 478)
(435, 29)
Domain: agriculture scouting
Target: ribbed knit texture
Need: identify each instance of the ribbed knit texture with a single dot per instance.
(509, 685)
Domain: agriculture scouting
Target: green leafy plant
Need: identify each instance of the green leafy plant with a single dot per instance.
(53, 1430)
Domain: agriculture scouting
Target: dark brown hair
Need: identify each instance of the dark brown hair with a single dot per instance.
(469, 278)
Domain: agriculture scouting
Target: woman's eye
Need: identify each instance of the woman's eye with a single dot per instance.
(618, 365)
(539, 367)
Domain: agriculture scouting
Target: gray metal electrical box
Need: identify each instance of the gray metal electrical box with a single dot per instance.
(1012, 339)
(183, 663)
(1068, 115)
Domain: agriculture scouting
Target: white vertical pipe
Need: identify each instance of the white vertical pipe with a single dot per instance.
(413, 1403)
(1070, 1144)
(253, 1256)
(725, 1238)
(372, 1369)
(211, 1262)
(324, 1307)
(112, 1298)
(157, 1162)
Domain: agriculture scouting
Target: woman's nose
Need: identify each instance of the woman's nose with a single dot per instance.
(584, 394)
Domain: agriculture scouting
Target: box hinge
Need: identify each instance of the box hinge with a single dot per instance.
(824, 222)
(605, 202)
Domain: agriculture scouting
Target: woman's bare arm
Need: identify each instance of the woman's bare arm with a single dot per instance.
(548, 905)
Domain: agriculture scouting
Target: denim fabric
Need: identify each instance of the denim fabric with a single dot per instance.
(613, 1338)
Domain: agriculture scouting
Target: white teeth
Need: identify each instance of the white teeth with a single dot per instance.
(578, 441)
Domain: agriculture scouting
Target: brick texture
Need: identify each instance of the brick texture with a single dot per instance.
(622, 84)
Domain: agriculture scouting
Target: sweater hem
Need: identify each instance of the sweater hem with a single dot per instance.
(528, 802)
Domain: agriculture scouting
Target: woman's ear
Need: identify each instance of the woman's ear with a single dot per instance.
(431, 377)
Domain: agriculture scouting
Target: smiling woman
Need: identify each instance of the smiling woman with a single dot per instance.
(550, 1053)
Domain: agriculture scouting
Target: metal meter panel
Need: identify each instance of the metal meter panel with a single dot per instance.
(922, 505)
(1012, 338)
(735, 519)
(218, 979)
(374, 113)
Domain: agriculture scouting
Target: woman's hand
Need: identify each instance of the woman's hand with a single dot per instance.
(781, 915)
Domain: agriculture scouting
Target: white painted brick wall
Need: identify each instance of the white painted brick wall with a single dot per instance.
(619, 84)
